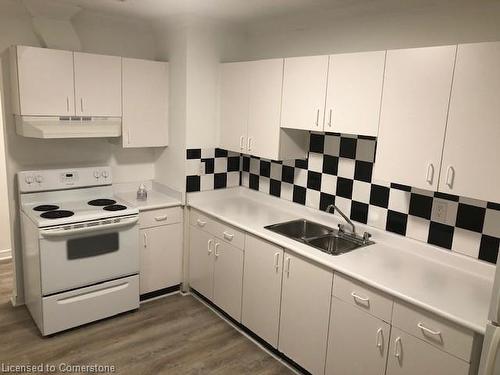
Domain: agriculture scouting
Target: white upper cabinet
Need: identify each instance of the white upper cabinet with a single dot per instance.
(250, 97)
(145, 103)
(471, 151)
(98, 86)
(354, 93)
(42, 82)
(304, 87)
(413, 116)
(234, 106)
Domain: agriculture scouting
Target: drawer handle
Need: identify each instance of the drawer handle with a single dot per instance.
(428, 330)
(200, 223)
(92, 294)
(228, 236)
(359, 298)
(161, 218)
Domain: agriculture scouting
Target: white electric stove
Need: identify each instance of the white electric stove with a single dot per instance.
(80, 247)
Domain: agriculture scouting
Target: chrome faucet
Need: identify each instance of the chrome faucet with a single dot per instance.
(329, 210)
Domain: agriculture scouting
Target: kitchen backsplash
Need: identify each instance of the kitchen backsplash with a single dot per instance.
(339, 170)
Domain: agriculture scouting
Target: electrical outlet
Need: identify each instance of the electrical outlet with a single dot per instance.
(440, 210)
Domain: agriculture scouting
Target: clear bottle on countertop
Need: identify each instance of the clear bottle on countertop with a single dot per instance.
(142, 193)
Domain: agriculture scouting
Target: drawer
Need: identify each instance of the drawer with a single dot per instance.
(161, 216)
(219, 229)
(363, 296)
(435, 330)
(70, 309)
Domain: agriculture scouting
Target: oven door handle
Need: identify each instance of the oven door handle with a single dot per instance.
(60, 232)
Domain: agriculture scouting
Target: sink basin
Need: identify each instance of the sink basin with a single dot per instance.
(300, 229)
(319, 236)
(333, 244)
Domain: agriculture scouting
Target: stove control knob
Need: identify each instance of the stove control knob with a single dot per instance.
(39, 179)
(29, 180)
(105, 174)
(96, 174)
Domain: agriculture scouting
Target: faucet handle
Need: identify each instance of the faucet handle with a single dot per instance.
(366, 237)
(341, 228)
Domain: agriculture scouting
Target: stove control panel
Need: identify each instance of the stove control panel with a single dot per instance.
(56, 179)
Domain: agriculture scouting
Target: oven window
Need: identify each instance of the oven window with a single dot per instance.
(92, 246)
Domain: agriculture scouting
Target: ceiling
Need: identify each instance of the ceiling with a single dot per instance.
(254, 10)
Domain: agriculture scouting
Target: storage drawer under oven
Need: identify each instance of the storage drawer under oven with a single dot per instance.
(70, 309)
(87, 256)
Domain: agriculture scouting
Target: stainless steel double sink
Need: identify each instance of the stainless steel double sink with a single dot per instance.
(326, 239)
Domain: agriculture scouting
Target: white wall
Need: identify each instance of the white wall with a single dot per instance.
(5, 242)
(100, 34)
(327, 32)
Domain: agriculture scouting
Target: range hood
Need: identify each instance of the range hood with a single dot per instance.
(68, 127)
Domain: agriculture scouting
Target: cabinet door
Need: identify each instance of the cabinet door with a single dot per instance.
(357, 341)
(415, 100)
(305, 312)
(228, 278)
(266, 80)
(98, 85)
(304, 90)
(161, 257)
(411, 356)
(262, 288)
(201, 265)
(145, 103)
(471, 155)
(234, 106)
(45, 79)
(354, 92)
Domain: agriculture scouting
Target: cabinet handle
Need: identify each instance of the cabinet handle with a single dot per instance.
(67, 104)
(242, 143)
(357, 297)
(249, 144)
(216, 248)
(317, 117)
(398, 350)
(380, 339)
(287, 270)
(450, 177)
(209, 246)
(428, 330)
(330, 119)
(276, 261)
(430, 173)
(228, 236)
(161, 218)
(81, 105)
(145, 240)
(200, 223)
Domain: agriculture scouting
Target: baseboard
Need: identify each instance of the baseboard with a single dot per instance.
(5, 255)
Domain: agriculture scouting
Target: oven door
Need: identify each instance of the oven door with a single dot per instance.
(89, 253)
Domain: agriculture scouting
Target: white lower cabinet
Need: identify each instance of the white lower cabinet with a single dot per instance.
(228, 274)
(305, 312)
(357, 341)
(160, 249)
(201, 262)
(412, 356)
(262, 288)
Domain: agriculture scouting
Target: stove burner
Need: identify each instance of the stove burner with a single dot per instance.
(57, 214)
(115, 207)
(101, 202)
(46, 207)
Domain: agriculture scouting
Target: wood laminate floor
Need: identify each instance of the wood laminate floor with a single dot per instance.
(172, 335)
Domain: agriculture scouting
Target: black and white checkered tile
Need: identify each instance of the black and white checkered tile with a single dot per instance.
(208, 169)
(339, 170)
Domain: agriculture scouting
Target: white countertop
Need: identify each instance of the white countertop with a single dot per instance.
(451, 285)
(155, 200)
